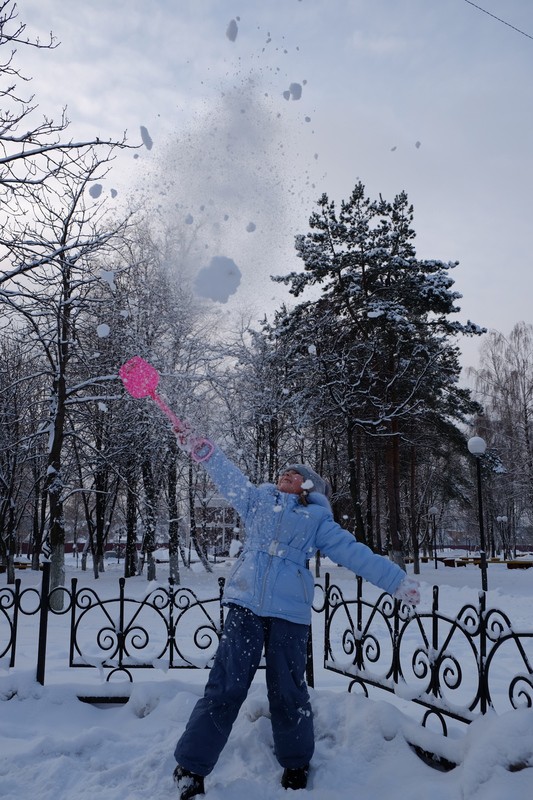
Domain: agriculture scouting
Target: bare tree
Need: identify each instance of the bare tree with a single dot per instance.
(504, 382)
(51, 230)
(33, 150)
(63, 238)
(20, 461)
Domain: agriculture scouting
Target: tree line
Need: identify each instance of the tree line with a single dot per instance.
(358, 375)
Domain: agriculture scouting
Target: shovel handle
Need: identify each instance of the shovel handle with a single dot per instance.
(140, 379)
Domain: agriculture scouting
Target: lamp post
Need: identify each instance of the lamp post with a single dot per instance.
(477, 446)
(433, 511)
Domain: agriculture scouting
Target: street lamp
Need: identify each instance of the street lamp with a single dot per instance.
(433, 511)
(477, 446)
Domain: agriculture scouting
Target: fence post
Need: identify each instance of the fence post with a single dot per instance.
(221, 584)
(121, 636)
(434, 665)
(43, 623)
(73, 589)
(359, 627)
(14, 627)
(483, 687)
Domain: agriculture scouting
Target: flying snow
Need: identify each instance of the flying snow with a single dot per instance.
(103, 330)
(147, 139)
(219, 280)
(96, 190)
(108, 276)
(232, 30)
(235, 548)
(233, 170)
(294, 91)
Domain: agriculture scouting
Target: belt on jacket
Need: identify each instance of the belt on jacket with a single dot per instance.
(283, 550)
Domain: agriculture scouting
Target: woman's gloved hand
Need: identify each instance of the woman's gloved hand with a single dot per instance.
(408, 591)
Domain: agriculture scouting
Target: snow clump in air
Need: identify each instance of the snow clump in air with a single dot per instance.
(219, 280)
(232, 30)
(147, 139)
(108, 276)
(103, 330)
(294, 91)
(235, 548)
(95, 191)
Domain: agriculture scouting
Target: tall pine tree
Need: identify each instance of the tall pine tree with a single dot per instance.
(384, 356)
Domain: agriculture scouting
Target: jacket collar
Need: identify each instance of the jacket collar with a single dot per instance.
(314, 498)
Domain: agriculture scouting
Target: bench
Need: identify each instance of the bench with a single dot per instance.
(519, 564)
(17, 565)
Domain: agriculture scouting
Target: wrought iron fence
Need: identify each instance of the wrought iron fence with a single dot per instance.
(152, 632)
(170, 627)
(456, 667)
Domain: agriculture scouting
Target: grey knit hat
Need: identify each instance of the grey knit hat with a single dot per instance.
(319, 484)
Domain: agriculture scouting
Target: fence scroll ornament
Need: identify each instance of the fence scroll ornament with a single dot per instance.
(15, 602)
(456, 667)
(154, 632)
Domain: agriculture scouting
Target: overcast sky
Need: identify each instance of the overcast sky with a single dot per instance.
(434, 98)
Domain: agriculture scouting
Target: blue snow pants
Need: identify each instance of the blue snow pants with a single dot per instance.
(236, 662)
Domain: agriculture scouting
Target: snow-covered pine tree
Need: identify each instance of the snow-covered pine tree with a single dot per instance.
(385, 353)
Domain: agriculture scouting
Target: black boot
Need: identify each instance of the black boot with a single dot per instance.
(189, 785)
(295, 778)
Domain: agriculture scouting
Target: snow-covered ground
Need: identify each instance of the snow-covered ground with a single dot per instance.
(54, 747)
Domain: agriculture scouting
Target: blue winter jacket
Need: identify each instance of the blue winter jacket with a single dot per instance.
(271, 577)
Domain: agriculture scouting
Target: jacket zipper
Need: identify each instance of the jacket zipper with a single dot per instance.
(271, 557)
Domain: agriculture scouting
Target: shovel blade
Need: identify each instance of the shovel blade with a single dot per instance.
(140, 378)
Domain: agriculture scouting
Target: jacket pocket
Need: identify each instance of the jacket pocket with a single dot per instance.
(237, 579)
(291, 588)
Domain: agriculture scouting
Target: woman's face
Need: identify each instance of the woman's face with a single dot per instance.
(290, 482)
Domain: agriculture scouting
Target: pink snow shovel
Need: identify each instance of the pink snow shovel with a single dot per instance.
(140, 379)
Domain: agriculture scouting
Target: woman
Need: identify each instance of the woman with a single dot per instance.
(269, 594)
